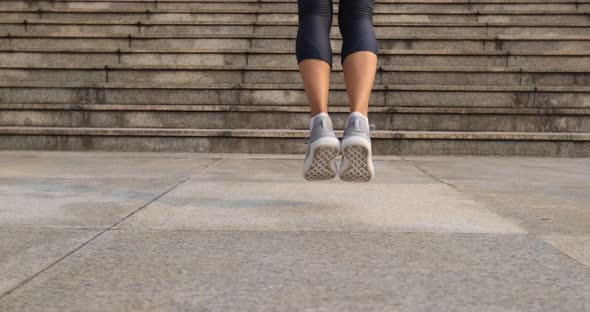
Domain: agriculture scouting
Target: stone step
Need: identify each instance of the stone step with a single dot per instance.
(396, 75)
(76, 41)
(503, 77)
(279, 57)
(291, 117)
(290, 141)
(257, 16)
(288, 28)
(293, 94)
(264, 13)
(282, 5)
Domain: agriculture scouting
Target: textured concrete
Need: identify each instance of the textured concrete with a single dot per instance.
(290, 15)
(20, 41)
(238, 55)
(80, 203)
(542, 195)
(393, 75)
(245, 232)
(482, 54)
(79, 190)
(232, 168)
(245, 194)
(100, 165)
(254, 94)
(577, 247)
(237, 205)
(25, 252)
(263, 271)
(296, 118)
(567, 144)
(558, 5)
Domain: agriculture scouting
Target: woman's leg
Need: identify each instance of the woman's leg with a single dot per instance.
(359, 75)
(314, 52)
(359, 61)
(314, 56)
(359, 51)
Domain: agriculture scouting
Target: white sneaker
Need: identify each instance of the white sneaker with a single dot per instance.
(322, 150)
(357, 161)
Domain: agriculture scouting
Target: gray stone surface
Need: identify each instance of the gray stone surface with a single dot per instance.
(320, 206)
(577, 247)
(542, 195)
(80, 203)
(263, 271)
(282, 170)
(477, 55)
(85, 189)
(244, 232)
(24, 252)
(297, 117)
(379, 6)
(116, 155)
(121, 41)
(100, 165)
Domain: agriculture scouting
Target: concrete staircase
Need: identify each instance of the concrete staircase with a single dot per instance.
(455, 76)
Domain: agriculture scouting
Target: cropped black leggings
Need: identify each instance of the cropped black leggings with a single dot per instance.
(355, 22)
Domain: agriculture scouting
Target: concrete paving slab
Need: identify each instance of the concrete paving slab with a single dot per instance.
(318, 206)
(577, 247)
(79, 203)
(262, 156)
(542, 195)
(299, 156)
(283, 170)
(89, 165)
(110, 154)
(314, 271)
(25, 252)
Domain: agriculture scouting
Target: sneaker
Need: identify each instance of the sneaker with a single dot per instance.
(322, 149)
(357, 162)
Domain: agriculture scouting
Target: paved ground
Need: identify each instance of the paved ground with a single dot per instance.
(210, 232)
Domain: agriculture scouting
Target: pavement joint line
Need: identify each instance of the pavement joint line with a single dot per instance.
(540, 237)
(411, 162)
(25, 281)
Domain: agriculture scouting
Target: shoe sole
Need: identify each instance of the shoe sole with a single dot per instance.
(321, 164)
(357, 163)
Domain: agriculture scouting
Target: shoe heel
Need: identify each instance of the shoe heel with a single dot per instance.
(322, 164)
(357, 163)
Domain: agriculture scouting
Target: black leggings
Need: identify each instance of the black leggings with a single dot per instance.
(355, 22)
